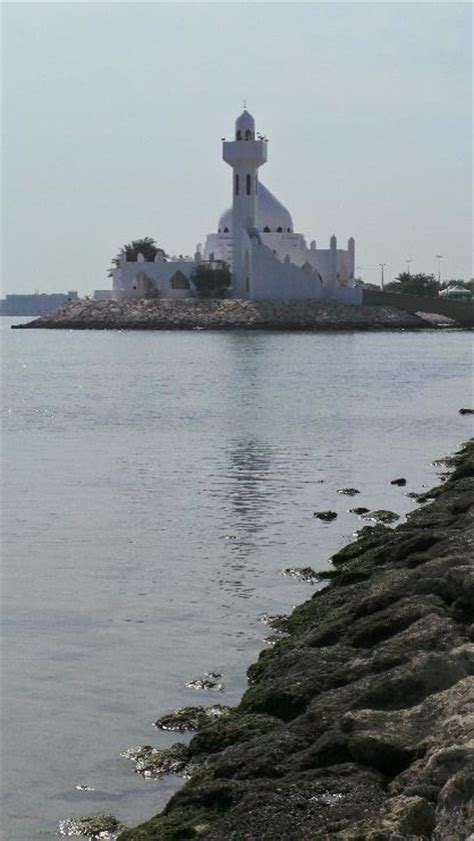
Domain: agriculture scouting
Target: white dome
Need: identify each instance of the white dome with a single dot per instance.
(271, 214)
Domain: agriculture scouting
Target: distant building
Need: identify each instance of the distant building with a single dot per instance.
(256, 238)
(37, 304)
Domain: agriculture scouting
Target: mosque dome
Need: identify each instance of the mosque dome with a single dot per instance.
(272, 215)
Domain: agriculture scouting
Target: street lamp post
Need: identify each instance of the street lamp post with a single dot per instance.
(382, 266)
(408, 265)
(439, 257)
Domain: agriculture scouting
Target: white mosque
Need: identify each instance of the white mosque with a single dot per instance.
(256, 238)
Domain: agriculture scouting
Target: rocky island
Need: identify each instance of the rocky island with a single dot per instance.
(358, 723)
(225, 314)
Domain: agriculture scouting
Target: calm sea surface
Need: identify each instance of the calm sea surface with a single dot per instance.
(155, 486)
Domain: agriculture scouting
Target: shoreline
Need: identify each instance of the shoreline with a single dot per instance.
(356, 722)
(227, 314)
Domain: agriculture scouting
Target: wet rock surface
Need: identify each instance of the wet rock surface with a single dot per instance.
(348, 491)
(228, 314)
(103, 827)
(301, 574)
(191, 718)
(210, 680)
(152, 762)
(359, 724)
(325, 516)
(382, 516)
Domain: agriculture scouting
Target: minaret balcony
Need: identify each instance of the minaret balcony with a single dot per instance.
(244, 153)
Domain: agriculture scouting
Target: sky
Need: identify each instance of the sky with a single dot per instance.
(113, 115)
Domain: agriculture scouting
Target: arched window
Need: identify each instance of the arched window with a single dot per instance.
(236, 185)
(279, 230)
(248, 134)
(289, 230)
(226, 230)
(266, 229)
(218, 230)
(249, 185)
(238, 136)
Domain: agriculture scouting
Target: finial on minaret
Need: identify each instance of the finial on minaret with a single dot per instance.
(245, 103)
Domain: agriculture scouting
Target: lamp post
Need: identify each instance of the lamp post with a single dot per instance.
(382, 266)
(408, 265)
(439, 257)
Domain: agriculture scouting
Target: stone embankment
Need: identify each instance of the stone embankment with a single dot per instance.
(228, 314)
(358, 724)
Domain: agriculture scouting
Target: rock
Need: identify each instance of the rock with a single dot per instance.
(191, 718)
(360, 510)
(104, 827)
(326, 516)
(302, 574)
(277, 621)
(210, 680)
(400, 482)
(382, 516)
(348, 491)
(227, 314)
(466, 411)
(230, 730)
(154, 763)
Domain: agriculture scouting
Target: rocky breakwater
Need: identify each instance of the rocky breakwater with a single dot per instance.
(359, 722)
(228, 314)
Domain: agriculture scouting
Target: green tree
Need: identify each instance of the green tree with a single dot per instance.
(146, 246)
(212, 282)
(414, 284)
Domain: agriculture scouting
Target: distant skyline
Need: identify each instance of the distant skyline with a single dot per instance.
(114, 113)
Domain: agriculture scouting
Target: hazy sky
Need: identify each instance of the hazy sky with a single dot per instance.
(113, 115)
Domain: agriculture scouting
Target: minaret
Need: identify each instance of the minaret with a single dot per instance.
(245, 155)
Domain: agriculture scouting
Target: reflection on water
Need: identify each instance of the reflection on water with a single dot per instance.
(250, 488)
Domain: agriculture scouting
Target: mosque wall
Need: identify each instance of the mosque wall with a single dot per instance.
(134, 280)
(273, 280)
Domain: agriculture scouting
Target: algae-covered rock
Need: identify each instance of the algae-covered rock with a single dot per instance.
(359, 510)
(277, 621)
(210, 680)
(191, 718)
(382, 516)
(348, 491)
(301, 573)
(153, 762)
(401, 482)
(232, 729)
(104, 827)
(325, 516)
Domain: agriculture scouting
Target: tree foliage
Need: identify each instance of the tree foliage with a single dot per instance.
(146, 246)
(212, 282)
(414, 284)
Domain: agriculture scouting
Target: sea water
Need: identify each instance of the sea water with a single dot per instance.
(155, 485)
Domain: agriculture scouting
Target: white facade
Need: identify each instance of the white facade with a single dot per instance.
(256, 238)
(167, 279)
